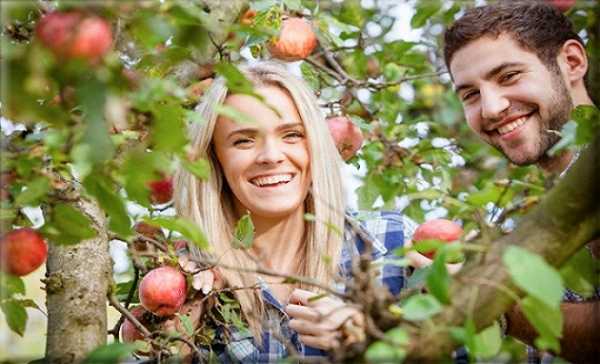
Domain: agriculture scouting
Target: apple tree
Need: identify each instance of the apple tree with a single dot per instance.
(102, 93)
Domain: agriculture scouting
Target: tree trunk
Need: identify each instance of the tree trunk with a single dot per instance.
(77, 283)
(567, 219)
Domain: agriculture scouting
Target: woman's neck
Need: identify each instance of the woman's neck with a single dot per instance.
(279, 242)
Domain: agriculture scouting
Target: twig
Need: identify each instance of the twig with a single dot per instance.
(112, 299)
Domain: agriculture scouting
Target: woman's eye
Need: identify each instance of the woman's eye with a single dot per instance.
(293, 136)
(242, 142)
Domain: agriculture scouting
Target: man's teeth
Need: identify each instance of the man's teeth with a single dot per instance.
(512, 126)
(271, 180)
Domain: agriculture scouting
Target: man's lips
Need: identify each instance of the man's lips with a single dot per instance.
(509, 124)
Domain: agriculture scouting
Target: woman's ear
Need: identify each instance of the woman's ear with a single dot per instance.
(573, 61)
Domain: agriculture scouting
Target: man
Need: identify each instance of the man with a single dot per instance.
(519, 68)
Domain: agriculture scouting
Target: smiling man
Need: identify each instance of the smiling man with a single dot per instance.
(519, 68)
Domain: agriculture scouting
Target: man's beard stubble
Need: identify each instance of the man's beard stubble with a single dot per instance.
(559, 112)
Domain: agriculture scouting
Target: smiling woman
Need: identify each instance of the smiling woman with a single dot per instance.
(278, 165)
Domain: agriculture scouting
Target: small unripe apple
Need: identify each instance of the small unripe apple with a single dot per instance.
(162, 291)
(562, 5)
(346, 135)
(438, 229)
(74, 34)
(161, 191)
(22, 251)
(295, 42)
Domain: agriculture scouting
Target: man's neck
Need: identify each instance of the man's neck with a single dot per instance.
(556, 164)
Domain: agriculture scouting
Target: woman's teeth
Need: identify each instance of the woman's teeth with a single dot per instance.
(271, 180)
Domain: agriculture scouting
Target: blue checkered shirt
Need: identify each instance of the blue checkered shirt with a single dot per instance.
(389, 230)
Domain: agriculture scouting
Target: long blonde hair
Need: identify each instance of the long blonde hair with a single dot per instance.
(209, 203)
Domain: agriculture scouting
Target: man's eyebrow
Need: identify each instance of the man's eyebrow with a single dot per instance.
(490, 74)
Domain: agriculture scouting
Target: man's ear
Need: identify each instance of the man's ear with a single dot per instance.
(573, 61)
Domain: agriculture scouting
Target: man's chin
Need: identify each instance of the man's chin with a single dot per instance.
(523, 159)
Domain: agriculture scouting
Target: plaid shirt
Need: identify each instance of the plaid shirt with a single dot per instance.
(389, 230)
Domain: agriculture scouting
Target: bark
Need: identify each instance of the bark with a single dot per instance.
(567, 219)
(77, 283)
(78, 276)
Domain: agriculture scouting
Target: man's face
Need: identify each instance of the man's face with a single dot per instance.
(510, 98)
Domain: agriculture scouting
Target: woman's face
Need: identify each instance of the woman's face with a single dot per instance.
(266, 162)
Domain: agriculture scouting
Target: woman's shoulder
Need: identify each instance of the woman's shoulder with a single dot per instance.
(380, 223)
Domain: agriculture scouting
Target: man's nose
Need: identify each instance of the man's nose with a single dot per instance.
(493, 104)
(270, 152)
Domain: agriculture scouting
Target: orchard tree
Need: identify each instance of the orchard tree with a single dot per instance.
(104, 92)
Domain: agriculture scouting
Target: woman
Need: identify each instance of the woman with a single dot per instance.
(277, 165)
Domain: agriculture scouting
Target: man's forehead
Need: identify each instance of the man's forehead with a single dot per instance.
(481, 55)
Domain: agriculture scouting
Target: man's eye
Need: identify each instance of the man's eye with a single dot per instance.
(469, 95)
(509, 76)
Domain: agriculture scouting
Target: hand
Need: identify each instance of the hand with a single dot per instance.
(205, 280)
(193, 309)
(324, 322)
(418, 260)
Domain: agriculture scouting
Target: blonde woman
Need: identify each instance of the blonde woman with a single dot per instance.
(278, 165)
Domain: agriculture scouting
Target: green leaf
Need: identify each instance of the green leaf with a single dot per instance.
(138, 169)
(587, 118)
(438, 279)
(244, 233)
(187, 228)
(92, 96)
(187, 324)
(236, 81)
(488, 342)
(168, 128)
(33, 192)
(568, 134)
(16, 316)
(199, 168)
(546, 320)
(382, 352)
(99, 186)
(68, 225)
(580, 273)
(109, 353)
(420, 307)
(533, 275)
(10, 285)
(425, 10)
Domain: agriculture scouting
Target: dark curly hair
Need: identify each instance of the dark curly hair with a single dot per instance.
(537, 26)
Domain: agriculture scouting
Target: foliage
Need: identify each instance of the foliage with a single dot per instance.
(105, 131)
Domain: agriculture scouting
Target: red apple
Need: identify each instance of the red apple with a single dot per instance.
(161, 191)
(129, 333)
(439, 229)
(162, 291)
(562, 5)
(296, 40)
(74, 34)
(22, 251)
(346, 135)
